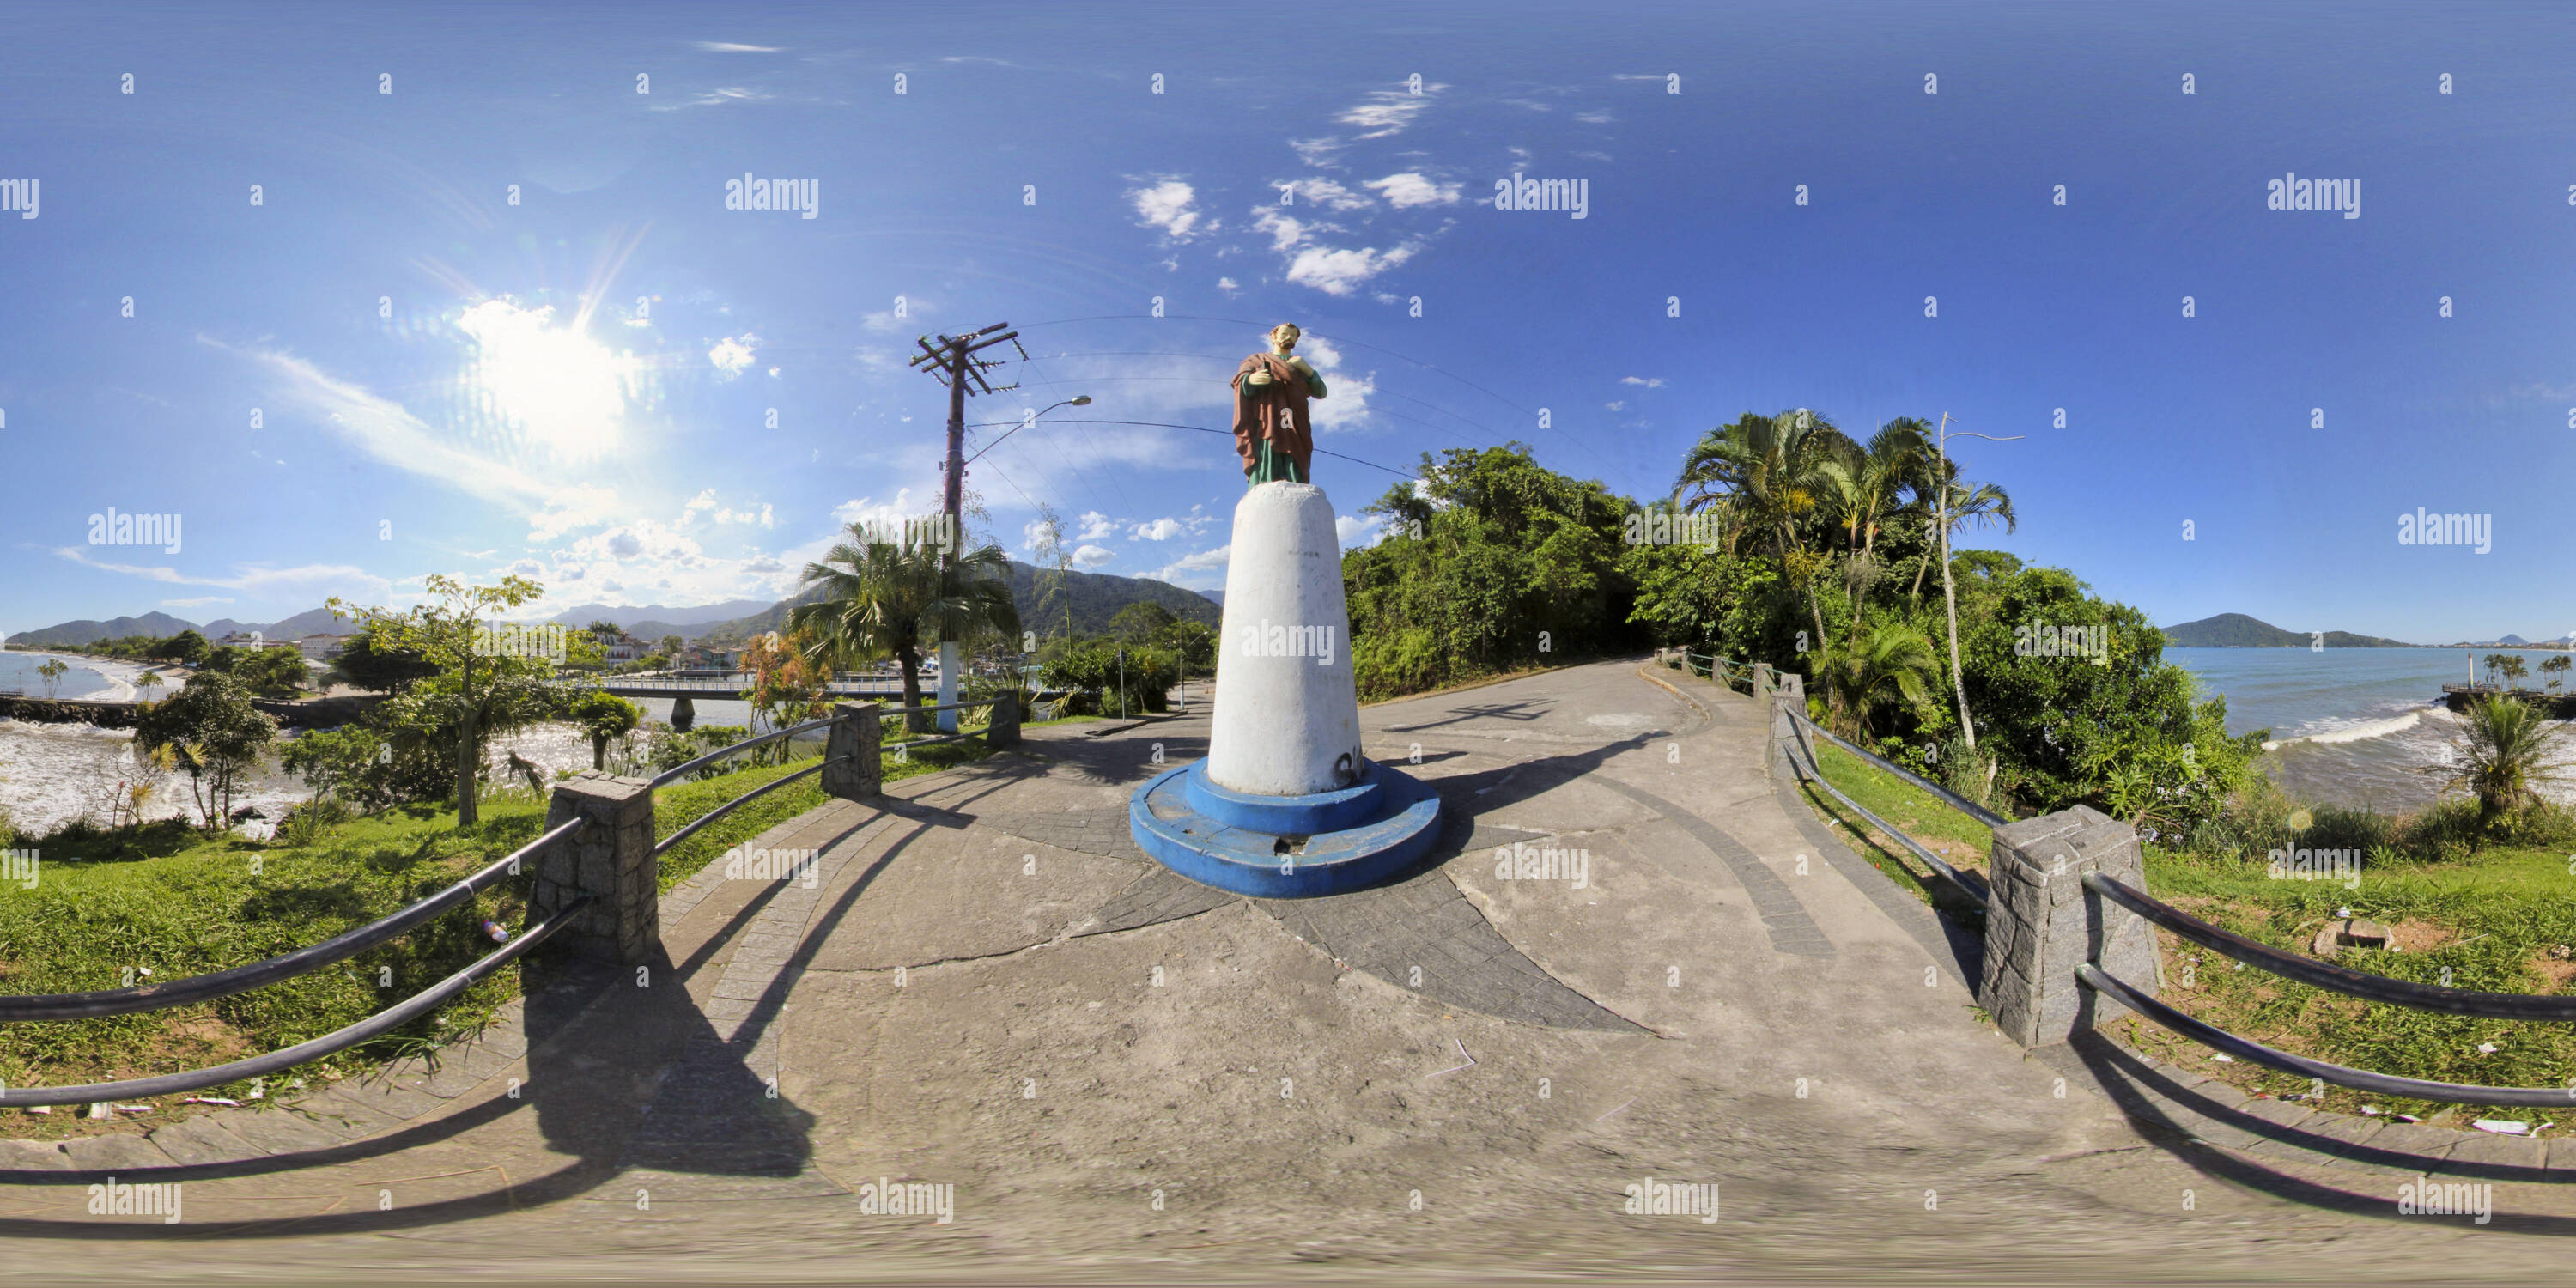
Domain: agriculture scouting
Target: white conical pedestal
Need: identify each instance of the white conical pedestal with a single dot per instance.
(1285, 805)
(1287, 720)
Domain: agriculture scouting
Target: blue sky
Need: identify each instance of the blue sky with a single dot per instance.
(518, 411)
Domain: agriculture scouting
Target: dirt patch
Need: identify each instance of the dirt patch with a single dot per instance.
(2419, 936)
(2557, 964)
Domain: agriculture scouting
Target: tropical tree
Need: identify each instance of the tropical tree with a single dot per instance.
(212, 731)
(1892, 663)
(877, 599)
(2502, 755)
(51, 671)
(148, 681)
(2514, 669)
(477, 690)
(2556, 667)
(1766, 474)
(671, 646)
(1864, 486)
(787, 686)
(604, 716)
(1980, 504)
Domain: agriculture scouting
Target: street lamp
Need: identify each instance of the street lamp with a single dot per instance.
(1078, 400)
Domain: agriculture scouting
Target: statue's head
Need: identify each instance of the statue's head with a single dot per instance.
(1283, 337)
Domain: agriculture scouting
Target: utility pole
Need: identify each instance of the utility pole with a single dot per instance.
(953, 361)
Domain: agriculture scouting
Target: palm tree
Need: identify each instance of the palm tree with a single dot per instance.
(1863, 485)
(1893, 661)
(1766, 474)
(2556, 667)
(2504, 754)
(883, 599)
(1982, 504)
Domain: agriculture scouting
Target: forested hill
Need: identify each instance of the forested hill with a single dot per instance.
(2236, 630)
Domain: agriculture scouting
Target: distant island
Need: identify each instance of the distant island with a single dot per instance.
(2236, 630)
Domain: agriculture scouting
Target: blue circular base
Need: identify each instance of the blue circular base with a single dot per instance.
(1385, 822)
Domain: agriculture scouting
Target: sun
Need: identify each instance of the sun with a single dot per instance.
(563, 390)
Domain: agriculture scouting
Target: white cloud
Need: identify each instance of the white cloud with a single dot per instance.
(256, 580)
(1330, 195)
(1349, 528)
(1227, 285)
(1340, 272)
(1168, 206)
(726, 47)
(1409, 189)
(1158, 530)
(1091, 556)
(1286, 231)
(1594, 118)
(1202, 571)
(698, 504)
(1388, 111)
(1656, 382)
(1316, 152)
(1616, 406)
(198, 601)
(1095, 526)
(733, 354)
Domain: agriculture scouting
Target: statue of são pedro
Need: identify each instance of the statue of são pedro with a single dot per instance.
(1271, 429)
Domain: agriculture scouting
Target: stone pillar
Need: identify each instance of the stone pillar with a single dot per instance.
(1763, 686)
(684, 713)
(610, 859)
(2041, 923)
(1004, 731)
(860, 738)
(1287, 714)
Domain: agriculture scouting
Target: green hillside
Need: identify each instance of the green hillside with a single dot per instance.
(2236, 630)
(1091, 598)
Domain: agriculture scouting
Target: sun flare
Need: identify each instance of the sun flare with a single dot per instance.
(564, 391)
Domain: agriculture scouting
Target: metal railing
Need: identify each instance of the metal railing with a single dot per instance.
(303, 961)
(242, 979)
(701, 821)
(686, 768)
(2316, 974)
(377, 1025)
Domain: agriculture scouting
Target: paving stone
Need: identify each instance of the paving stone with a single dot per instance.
(32, 1156)
(387, 1097)
(116, 1152)
(2414, 1144)
(343, 1118)
(281, 1132)
(2499, 1151)
(203, 1140)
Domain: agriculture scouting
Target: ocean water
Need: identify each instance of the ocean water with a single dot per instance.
(18, 675)
(51, 774)
(2349, 726)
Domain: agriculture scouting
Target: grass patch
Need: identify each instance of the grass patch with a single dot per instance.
(2502, 920)
(178, 903)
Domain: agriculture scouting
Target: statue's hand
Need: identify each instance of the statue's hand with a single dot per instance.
(1257, 378)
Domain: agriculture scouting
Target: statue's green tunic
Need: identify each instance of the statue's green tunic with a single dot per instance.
(1272, 432)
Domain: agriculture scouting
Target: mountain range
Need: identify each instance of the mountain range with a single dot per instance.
(1089, 598)
(2236, 630)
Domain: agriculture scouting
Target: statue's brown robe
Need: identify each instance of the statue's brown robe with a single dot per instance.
(1275, 412)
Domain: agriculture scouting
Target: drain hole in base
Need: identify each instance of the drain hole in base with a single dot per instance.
(1289, 845)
